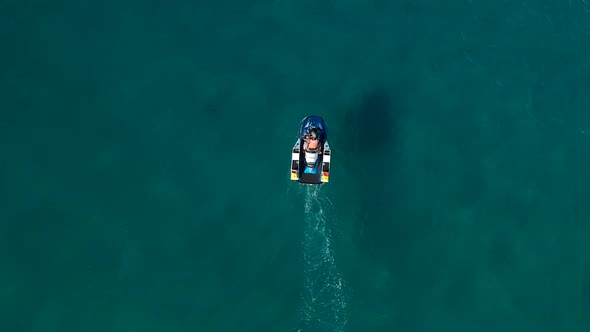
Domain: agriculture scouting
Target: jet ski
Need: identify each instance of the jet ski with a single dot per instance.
(310, 158)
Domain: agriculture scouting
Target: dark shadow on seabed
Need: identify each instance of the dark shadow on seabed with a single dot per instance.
(394, 209)
(374, 127)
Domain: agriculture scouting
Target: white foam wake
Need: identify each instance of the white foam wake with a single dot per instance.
(324, 299)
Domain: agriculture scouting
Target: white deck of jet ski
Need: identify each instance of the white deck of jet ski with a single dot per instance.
(324, 169)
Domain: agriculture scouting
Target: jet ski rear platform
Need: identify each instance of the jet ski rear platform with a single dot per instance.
(311, 167)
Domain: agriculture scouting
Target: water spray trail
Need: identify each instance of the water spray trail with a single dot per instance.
(324, 299)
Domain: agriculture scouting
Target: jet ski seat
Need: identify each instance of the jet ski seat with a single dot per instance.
(311, 156)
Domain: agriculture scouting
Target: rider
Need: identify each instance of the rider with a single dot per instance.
(311, 141)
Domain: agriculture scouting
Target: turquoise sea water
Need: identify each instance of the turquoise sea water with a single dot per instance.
(146, 148)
